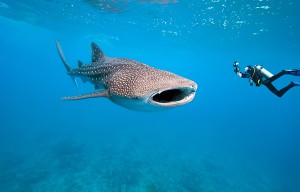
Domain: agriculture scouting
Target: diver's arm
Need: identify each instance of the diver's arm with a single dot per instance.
(238, 72)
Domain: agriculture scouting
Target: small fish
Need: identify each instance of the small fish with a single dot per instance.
(129, 83)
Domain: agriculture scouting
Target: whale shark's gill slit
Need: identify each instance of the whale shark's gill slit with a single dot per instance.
(171, 95)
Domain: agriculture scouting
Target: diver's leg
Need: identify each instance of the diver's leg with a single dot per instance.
(285, 89)
(295, 72)
(282, 91)
(274, 77)
(272, 88)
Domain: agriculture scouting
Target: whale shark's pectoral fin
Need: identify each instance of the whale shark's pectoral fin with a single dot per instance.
(103, 93)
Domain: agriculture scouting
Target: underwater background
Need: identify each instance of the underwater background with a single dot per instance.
(231, 138)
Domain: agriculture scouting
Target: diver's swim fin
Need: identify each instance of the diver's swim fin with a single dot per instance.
(295, 72)
(295, 83)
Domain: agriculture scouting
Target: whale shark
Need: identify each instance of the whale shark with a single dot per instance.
(129, 83)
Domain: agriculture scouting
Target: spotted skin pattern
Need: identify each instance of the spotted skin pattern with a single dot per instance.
(123, 77)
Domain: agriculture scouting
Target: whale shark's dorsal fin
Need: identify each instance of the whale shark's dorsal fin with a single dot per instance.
(80, 63)
(98, 56)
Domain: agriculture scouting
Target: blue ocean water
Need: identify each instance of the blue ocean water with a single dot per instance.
(231, 138)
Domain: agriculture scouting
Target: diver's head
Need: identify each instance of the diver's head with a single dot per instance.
(248, 69)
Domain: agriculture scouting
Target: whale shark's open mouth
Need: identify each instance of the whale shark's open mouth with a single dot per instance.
(173, 97)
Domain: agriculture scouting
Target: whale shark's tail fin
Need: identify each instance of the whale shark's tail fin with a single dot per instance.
(62, 56)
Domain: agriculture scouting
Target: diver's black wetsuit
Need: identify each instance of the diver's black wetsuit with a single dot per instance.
(259, 78)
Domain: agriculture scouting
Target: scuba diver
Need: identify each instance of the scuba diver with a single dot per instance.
(260, 76)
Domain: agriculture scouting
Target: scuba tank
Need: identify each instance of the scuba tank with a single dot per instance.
(263, 71)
